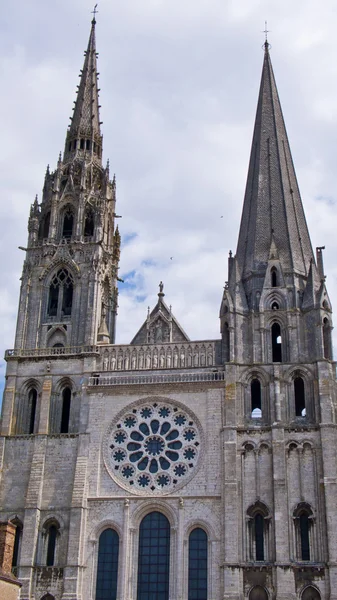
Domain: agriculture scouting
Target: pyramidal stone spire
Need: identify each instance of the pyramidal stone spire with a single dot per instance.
(272, 210)
(84, 132)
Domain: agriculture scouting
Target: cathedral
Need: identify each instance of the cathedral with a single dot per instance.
(166, 468)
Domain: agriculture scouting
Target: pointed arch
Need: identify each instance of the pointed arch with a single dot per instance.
(17, 542)
(89, 222)
(310, 593)
(44, 226)
(258, 593)
(60, 298)
(274, 277)
(67, 221)
(50, 535)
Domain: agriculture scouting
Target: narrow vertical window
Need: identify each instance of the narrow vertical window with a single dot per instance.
(89, 223)
(65, 416)
(299, 392)
(68, 223)
(276, 342)
(107, 565)
(32, 400)
(226, 342)
(304, 534)
(273, 276)
(259, 536)
(154, 558)
(17, 544)
(197, 565)
(327, 339)
(255, 392)
(51, 545)
(60, 299)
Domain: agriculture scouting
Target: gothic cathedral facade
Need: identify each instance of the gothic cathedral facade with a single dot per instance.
(170, 469)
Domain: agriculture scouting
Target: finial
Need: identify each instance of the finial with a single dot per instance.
(230, 254)
(161, 287)
(94, 12)
(266, 31)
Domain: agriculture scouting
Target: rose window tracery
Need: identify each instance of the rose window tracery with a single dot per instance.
(154, 447)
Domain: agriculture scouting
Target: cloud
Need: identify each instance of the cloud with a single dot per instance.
(179, 85)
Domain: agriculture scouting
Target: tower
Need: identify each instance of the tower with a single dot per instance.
(169, 468)
(68, 292)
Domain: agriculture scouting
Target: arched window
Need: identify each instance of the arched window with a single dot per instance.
(259, 536)
(68, 223)
(89, 223)
(65, 415)
(51, 533)
(300, 410)
(32, 401)
(255, 393)
(107, 565)
(197, 565)
(273, 276)
(48, 597)
(310, 593)
(303, 521)
(258, 532)
(327, 339)
(17, 543)
(276, 342)
(304, 531)
(258, 593)
(61, 294)
(275, 306)
(154, 557)
(226, 342)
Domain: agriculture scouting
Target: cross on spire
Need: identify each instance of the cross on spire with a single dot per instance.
(94, 12)
(266, 31)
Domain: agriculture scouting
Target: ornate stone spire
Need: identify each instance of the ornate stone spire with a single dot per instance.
(272, 207)
(84, 133)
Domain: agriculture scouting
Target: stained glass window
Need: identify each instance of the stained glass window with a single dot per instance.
(107, 566)
(154, 558)
(197, 565)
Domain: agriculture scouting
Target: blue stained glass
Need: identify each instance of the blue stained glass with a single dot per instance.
(130, 422)
(165, 428)
(180, 420)
(154, 425)
(120, 437)
(154, 558)
(164, 412)
(146, 413)
(180, 470)
(107, 565)
(173, 435)
(189, 453)
(144, 429)
(197, 565)
(127, 472)
(189, 435)
(119, 455)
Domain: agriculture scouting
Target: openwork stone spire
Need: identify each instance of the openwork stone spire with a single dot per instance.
(272, 205)
(84, 133)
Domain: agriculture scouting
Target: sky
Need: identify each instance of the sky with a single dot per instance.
(179, 86)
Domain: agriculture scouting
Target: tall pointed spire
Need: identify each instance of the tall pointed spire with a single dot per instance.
(272, 207)
(84, 132)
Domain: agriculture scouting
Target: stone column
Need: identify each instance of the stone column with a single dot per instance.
(45, 406)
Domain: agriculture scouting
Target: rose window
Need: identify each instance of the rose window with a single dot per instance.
(154, 447)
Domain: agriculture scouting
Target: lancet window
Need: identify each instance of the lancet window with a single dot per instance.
(299, 392)
(197, 565)
(276, 342)
(61, 294)
(65, 414)
(255, 395)
(107, 565)
(154, 557)
(68, 222)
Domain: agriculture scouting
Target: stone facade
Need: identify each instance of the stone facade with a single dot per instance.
(233, 437)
